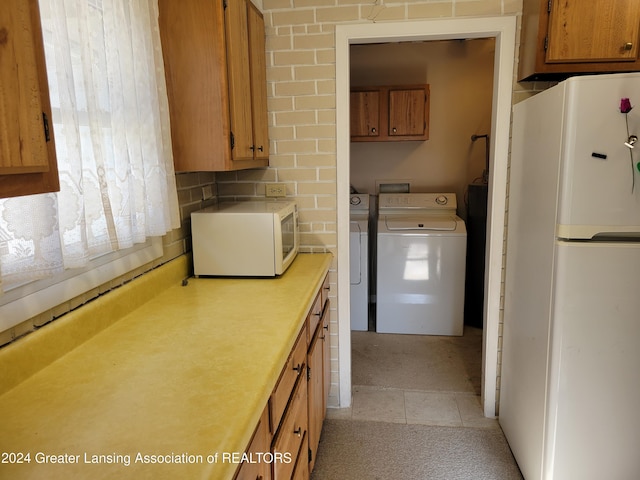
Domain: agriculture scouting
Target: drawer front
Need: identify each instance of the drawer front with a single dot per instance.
(326, 353)
(324, 292)
(259, 444)
(313, 319)
(296, 365)
(292, 432)
(302, 470)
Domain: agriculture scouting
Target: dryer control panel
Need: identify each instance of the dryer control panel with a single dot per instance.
(418, 201)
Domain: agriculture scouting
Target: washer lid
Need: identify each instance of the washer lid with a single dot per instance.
(441, 223)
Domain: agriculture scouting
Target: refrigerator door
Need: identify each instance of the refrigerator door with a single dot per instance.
(592, 427)
(597, 192)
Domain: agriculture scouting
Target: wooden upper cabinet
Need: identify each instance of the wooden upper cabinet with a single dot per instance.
(407, 112)
(389, 113)
(365, 113)
(607, 31)
(561, 38)
(215, 68)
(258, 71)
(27, 151)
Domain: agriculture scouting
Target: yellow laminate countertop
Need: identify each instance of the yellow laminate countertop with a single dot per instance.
(172, 390)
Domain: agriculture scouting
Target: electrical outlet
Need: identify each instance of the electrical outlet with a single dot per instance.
(275, 190)
(207, 192)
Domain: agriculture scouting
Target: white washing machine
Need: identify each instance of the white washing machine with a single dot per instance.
(359, 259)
(421, 252)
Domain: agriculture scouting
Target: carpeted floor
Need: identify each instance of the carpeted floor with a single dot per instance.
(354, 450)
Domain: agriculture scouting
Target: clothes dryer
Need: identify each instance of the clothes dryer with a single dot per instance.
(421, 251)
(359, 261)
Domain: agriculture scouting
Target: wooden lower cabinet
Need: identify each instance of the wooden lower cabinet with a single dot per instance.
(291, 425)
(302, 470)
(292, 433)
(315, 381)
(319, 371)
(296, 365)
(259, 445)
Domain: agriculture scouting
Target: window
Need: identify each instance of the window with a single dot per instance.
(111, 124)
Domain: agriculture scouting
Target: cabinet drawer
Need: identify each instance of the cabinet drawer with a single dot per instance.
(324, 292)
(260, 443)
(302, 470)
(314, 317)
(292, 432)
(295, 366)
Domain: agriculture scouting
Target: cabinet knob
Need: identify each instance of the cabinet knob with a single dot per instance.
(628, 46)
(298, 431)
(373, 130)
(261, 148)
(298, 368)
(395, 130)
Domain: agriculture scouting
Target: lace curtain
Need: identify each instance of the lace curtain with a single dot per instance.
(111, 127)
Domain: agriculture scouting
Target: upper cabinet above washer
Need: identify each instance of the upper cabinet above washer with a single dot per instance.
(215, 65)
(389, 113)
(565, 37)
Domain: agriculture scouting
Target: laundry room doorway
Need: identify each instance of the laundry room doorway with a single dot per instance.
(502, 30)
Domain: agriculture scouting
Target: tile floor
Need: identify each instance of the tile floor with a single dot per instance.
(417, 379)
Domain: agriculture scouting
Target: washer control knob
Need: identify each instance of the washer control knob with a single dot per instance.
(355, 200)
(442, 200)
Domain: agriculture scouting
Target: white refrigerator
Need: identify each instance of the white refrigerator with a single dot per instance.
(570, 379)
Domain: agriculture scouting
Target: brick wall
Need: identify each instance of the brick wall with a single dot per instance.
(301, 81)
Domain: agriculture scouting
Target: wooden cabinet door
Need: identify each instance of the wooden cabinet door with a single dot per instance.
(407, 112)
(316, 393)
(27, 152)
(260, 443)
(237, 36)
(301, 471)
(326, 358)
(258, 82)
(602, 31)
(365, 113)
(389, 113)
(195, 62)
(216, 83)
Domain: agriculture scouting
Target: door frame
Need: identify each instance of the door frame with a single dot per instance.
(503, 29)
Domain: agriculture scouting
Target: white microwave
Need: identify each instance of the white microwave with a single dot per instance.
(249, 239)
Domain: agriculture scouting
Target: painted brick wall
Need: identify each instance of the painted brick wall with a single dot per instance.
(301, 89)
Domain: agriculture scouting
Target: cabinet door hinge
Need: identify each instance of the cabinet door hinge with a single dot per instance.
(310, 455)
(224, 4)
(233, 141)
(546, 43)
(549, 6)
(308, 373)
(45, 124)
